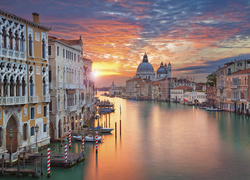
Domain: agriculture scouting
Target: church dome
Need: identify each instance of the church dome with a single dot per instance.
(162, 69)
(145, 67)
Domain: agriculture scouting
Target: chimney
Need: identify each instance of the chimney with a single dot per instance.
(35, 17)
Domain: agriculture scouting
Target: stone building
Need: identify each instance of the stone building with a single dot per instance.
(237, 91)
(70, 87)
(115, 91)
(24, 100)
(221, 79)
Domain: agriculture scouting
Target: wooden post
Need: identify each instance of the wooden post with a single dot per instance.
(23, 160)
(115, 129)
(2, 164)
(35, 167)
(61, 141)
(18, 165)
(41, 164)
(106, 119)
(120, 126)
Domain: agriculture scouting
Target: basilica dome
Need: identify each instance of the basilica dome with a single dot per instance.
(145, 69)
(162, 70)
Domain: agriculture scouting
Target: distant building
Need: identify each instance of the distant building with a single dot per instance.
(177, 94)
(115, 91)
(146, 71)
(211, 96)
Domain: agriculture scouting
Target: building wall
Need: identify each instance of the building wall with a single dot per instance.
(17, 63)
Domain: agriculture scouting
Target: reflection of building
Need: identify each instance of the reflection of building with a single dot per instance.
(24, 83)
(115, 91)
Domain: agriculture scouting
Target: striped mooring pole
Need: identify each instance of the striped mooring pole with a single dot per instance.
(48, 162)
(65, 151)
(82, 143)
(70, 138)
(96, 141)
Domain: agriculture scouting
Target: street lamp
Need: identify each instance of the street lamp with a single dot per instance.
(11, 136)
(36, 130)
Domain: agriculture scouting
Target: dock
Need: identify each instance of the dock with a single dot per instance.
(24, 172)
(73, 159)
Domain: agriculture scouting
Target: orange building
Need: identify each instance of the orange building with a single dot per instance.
(24, 83)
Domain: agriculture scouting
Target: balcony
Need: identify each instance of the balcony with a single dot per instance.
(33, 99)
(13, 100)
(72, 108)
(234, 86)
(46, 98)
(12, 53)
(69, 86)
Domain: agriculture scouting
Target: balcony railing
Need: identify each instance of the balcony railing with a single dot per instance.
(12, 53)
(13, 100)
(33, 99)
(46, 98)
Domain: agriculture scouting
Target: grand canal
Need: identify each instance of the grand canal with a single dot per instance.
(165, 141)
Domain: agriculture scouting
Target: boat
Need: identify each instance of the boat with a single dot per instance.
(103, 129)
(87, 138)
(213, 109)
(107, 110)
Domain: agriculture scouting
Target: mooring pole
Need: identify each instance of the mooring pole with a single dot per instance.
(2, 164)
(120, 126)
(48, 162)
(41, 164)
(18, 164)
(35, 167)
(23, 160)
(115, 129)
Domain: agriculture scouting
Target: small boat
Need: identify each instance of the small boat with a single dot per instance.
(107, 110)
(213, 109)
(103, 130)
(87, 138)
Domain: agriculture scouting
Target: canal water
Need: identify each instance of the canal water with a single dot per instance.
(164, 141)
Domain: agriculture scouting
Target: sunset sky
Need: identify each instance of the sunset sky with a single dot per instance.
(196, 36)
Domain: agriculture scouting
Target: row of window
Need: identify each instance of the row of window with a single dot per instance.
(69, 55)
(32, 112)
(31, 51)
(8, 42)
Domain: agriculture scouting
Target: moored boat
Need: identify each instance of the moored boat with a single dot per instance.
(87, 138)
(103, 129)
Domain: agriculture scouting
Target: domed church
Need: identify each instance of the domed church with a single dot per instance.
(146, 71)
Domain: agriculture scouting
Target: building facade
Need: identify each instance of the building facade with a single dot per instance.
(71, 88)
(24, 101)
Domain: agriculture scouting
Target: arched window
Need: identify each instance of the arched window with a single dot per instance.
(30, 46)
(23, 86)
(22, 43)
(31, 86)
(16, 42)
(18, 86)
(4, 38)
(10, 39)
(44, 86)
(5, 86)
(11, 86)
(59, 103)
(43, 49)
(58, 73)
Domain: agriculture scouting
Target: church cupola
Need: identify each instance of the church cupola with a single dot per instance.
(145, 58)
